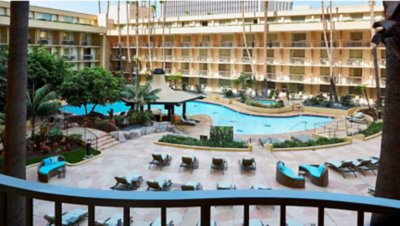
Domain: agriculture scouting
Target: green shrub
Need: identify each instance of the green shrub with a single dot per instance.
(54, 133)
(373, 128)
(277, 104)
(221, 133)
(271, 93)
(346, 100)
(310, 143)
(143, 118)
(173, 139)
(76, 137)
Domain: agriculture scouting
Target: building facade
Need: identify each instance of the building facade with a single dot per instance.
(74, 36)
(210, 50)
(202, 8)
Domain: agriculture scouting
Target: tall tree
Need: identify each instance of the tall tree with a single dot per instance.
(137, 78)
(266, 30)
(163, 7)
(15, 131)
(330, 49)
(119, 36)
(378, 101)
(246, 46)
(388, 181)
(149, 32)
(128, 47)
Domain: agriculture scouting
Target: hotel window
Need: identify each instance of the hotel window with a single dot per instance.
(247, 69)
(297, 53)
(355, 72)
(225, 22)
(185, 52)
(270, 68)
(45, 16)
(187, 38)
(297, 18)
(324, 71)
(323, 54)
(324, 88)
(30, 14)
(205, 38)
(299, 37)
(203, 81)
(270, 53)
(68, 19)
(355, 54)
(3, 11)
(43, 34)
(68, 36)
(224, 67)
(224, 82)
(354, 90)
(297, 70)
(356, 16)
(204, 52)
(204, 23)
(356, 36)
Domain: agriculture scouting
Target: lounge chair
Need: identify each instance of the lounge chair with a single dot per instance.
(160, 160)
(226, 186)
(358, 117)
(375, 161)
(301, 138)
(128, 182)
(158, 223)
(116, 220)
(247, 164)
(286, 176)
(342, 167)
(364, 165)
(188, 121)
(192, 186)
(218, 164)
(259, 187)
(317, 174)
(189, 162)
(159, 184)
(68, 218)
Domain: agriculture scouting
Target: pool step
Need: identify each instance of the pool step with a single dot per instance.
(106, 141)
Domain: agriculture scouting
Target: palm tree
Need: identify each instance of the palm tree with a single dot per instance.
(388, 182)
(41, 105)
(128, 63)
(140, 95)
(329, 48)
(119, 36)
(15, 131)
(266, 28)
(149, 30)
(174, 78)
(378, 101)
(137, 77)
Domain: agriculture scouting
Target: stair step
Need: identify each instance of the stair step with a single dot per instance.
(108, 145)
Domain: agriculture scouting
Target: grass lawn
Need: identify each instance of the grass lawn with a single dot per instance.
(73, 156)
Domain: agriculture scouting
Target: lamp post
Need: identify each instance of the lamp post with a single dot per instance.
(88, 149)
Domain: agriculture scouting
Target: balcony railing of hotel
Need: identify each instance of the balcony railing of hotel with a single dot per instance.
(203, 73)
(69, 57)
(185, 71)
(117, 45)
(269, 60)
(86, 42)
(202, 58)
(327, 79)
(383, 62)
(357, 43)
(224, 74)
(186, 44)
(246, 60)
(355, 62)
(272, 44)
(296, 77)
(88, 57)
(354, 80)
(297, 60)
(167, 70)
(67, 42)
(324, 61)
(169, 58)
(185, 58)
(226, 44)
(167, 44)
(93, 199)
(224, 59)
(300, 43)
(205, 44)
(271, 76)
(44, 41)
(323, 44)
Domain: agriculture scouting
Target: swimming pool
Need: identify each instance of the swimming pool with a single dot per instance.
(223, 116)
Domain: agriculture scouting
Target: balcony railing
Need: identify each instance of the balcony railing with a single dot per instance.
(323, 44)
(204, 44)
(69, 57)
(224, 74)
(185, 72)
(324, 61)
(87, 57)
(169, 58)
(296, 77)
(226, 44)
(354, 80)
(44, 41)
(358, 43)
(324, 79)
(67, 42)
(202, 58)
(273, 44)
(383, 62)
(91, 198)
(300, 43)
(186, 44)
(355, 61)
(185, 58)
(246, 60)
(297, 60)
(271, 76)
(167, 70)
(167, 44)
(224, 59)
(203, 72)
(86, 43)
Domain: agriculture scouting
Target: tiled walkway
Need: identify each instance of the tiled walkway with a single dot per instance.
(133, 157)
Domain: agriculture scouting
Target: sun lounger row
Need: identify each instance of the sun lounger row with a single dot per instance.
(351, 166)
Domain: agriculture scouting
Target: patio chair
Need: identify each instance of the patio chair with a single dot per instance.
(218, 164)
(342, 167)
(188, 121)
(128, 182)
(357, 117)
(363, 165)
(286, 176)
(375, 161)
(68, 218)
(226, 186)
(160, 160)
(247, 164)
(158, 223)
(159, 184)
(318, 174)
(189, 162)
(259, 187)
(192, 186)
(301, 138)
(116, 220)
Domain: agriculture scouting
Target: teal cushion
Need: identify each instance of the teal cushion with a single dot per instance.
(47, 161)
(288, 172)
(47, 168)
(314, 171)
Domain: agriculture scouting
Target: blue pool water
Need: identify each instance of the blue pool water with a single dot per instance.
(222, 116)
(266, 102)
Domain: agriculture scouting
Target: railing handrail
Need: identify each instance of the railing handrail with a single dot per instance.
(195, 198)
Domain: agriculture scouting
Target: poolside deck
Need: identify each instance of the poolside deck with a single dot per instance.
(134, 156)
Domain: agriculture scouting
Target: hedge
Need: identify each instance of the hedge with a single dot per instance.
(310, 143)
(173, 139)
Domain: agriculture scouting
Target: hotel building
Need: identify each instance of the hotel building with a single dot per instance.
(210, 49)
(74, 36)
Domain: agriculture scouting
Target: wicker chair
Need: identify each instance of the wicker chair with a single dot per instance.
(285, 176)
(318, 174)
(50, 167)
